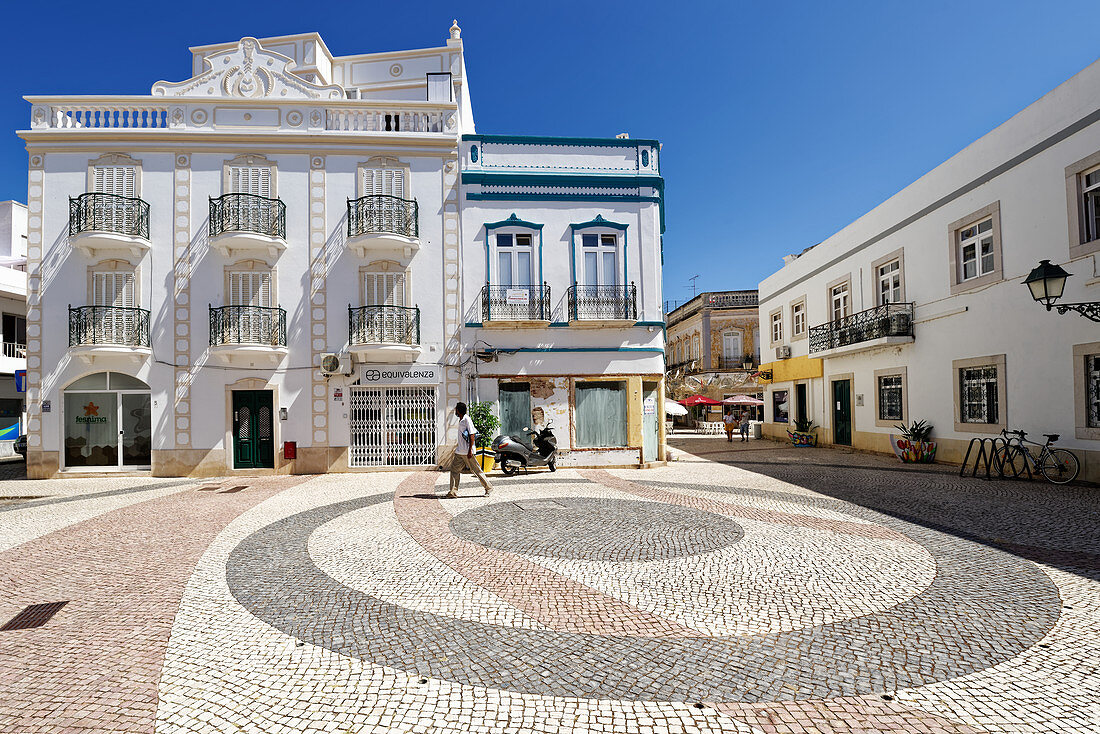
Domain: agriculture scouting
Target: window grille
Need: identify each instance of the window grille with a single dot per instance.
(978, 394)
(392, 426)
(889, 398)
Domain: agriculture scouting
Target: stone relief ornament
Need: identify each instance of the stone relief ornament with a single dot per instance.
(248, 72)
(198, 116)
(396, 70)
(294, 117)
(456, 32)
(315, 118)
(38, 117)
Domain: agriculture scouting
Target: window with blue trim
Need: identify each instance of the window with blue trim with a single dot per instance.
(599, 260)
(514, 260)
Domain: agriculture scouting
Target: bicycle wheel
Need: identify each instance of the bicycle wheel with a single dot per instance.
(1059, 466)
(1011, 460)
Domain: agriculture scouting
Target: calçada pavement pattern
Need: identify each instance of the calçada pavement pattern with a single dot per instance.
(724, 592)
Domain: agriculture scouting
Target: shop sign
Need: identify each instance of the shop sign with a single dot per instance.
(517, 297)
(388, 374)
(338, 394)
(649, 406)
(91, 414)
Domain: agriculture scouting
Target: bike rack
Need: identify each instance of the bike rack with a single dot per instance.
(987, 455)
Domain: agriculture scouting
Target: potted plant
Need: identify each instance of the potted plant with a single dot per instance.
(913, 446)
(804, 434)
(486, 423)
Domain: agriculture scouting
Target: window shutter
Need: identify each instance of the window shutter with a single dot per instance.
(118, 180)
(111, 288)
(255, 180)
(389, 181)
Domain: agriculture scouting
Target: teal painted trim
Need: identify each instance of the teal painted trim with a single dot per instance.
(560, 179)
(558, 324)
(652, 350)
(474, 324)
(599, 221)
(626, 280)
(573, 255)
(541, 278)
(561, 140)
(605, 198)
(649, 323)
(513, 221)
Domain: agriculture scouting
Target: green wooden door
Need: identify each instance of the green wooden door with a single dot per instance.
(253, 430)
(842, 412)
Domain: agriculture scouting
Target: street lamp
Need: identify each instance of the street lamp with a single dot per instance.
(1047, 282)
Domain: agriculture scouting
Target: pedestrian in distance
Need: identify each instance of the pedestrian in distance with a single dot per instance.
(745, 426)
(464, 453)
(729, 419)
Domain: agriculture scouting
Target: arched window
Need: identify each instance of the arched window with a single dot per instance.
(108, 422)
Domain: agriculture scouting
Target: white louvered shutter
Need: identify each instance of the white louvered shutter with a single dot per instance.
(120, 181)
(247, 288)
(114, 290)
(389, 182)
(255, 180)
(384, 289)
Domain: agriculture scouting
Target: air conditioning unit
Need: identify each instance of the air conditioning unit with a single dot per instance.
(783, 352)
(335, 364)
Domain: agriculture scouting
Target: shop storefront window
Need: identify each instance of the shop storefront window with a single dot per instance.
(780, 406)
(108, 422)
(601, 414)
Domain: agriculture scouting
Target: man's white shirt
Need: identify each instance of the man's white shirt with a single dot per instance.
(466, 433)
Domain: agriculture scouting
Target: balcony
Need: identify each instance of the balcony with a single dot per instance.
(603, 305)
(246, 225)
(248, 334)
(512, 306)
(384, 333)
(382, 224)
(107, 226)
(108, 332)
(737, 363)
(885, 325)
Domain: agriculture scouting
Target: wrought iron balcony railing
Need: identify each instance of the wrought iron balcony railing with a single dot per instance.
(603, 302)
(735, 363)
(247, 213)
(891, 319)
(383, 325)
(380, 213)
(96, 212)
(515, 303)
(108, 325)
(247, 325)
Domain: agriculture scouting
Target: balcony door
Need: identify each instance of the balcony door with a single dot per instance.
(514, 261)
(732, 351)
(254, 180)
(115, 295)
(381, 289)
(386, 181)
(251, 291)
(600, 260)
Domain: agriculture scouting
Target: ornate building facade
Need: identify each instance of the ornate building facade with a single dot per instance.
(260, 267)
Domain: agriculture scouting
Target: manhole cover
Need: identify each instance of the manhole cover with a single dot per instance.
(33, 616)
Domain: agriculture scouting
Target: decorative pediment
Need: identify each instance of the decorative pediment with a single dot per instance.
(250, 72)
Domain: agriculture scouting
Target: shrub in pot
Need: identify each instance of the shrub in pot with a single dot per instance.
(804, 434)
(486, 423)
(912, 445)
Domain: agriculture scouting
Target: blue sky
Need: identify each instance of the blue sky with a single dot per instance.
(781, 122)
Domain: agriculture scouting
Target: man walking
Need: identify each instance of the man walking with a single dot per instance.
(745, 426)
(464, 453)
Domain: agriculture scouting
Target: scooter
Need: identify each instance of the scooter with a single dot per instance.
(514, 453)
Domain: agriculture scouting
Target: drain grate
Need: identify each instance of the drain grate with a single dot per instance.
(33, 616)
(231, 490)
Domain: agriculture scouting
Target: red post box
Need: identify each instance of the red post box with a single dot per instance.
(290, 450)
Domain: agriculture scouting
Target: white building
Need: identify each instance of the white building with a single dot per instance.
(13, 319)
(261, 267)
(561, 297)
(917, 310)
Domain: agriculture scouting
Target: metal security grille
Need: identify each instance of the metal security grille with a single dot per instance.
(889, 398)
(392, 426)
(1092, 378)
(978, 387)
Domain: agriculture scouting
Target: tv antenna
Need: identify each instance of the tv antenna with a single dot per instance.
(693, 289)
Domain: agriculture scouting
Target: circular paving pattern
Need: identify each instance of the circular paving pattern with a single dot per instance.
(983, 607)
(596, 529)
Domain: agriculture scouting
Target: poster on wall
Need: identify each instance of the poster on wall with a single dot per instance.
(517, 297)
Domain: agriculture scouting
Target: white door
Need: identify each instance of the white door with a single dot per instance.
(248, 325)
(600, 259)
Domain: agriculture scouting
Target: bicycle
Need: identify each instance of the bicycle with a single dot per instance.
(1058, 466)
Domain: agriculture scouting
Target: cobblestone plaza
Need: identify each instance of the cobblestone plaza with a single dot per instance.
(747, 589)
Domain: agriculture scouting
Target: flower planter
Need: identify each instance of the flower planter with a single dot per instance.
(802, 439)
(486, 460)
(913, 452)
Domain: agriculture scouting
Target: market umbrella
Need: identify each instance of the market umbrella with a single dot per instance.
(742, 400)
(698, 400)
(674, 408)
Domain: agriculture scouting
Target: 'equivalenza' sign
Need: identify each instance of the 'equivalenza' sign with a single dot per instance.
(390, 374)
